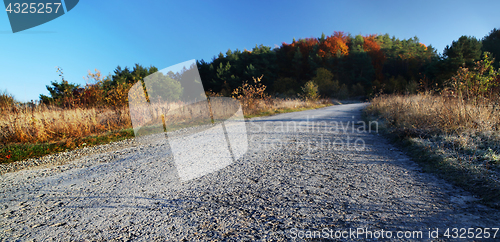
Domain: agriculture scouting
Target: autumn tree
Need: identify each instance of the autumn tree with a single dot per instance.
(94, 94)
(373, 49)
(310, 91)
(357, 62)
(334, 46)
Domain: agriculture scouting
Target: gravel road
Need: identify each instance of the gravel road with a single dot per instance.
(306, 174)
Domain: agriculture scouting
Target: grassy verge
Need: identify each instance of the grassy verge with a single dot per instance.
(433, 134)
(285, 110)
(20, 151)
(16, 151)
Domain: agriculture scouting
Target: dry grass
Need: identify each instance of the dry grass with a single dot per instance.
(291, 103)
(458, 139)
(36, 130)
(174, 115)
(428, 114)
(278, 105)
(49, 124)
(462, 127)
(45, 123)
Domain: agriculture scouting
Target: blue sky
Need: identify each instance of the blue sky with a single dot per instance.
(104, 34)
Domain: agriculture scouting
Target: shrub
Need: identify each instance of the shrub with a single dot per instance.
(250, 94)
(326, 85)
(310, 91)
(480, 81)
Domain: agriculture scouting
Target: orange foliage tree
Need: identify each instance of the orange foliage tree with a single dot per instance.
(374, 51)
(333, 45)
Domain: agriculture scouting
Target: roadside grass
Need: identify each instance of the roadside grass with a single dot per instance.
(285, 110)
(457, 140)
(278, 106)
(39, 131)
(41, 123)
(20, 151)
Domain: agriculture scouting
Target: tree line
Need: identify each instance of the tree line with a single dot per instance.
(340, 65)
(343, 65)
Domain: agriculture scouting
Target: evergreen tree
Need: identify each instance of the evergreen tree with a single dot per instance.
(463, 51)
(61, 93)
(322, 38)
(491, 43)
(297, 65)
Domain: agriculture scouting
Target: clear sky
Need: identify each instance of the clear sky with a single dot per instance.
(106, 33)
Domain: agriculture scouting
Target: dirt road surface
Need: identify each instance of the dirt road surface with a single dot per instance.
(305, 174)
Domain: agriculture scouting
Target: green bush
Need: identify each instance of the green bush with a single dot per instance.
(310, 91)
(326, 85)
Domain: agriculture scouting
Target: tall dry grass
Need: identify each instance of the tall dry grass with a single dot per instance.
(273, 105)
(149, 118)
(48, 123)
(456, 138)
(295, 103)
(431, 114)
(40, 123)
(6, 101)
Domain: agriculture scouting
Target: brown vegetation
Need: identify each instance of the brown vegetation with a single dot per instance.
(425, 114)
(456, 133)
(46, 123)
(455, 138)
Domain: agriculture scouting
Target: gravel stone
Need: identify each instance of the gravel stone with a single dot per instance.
(288, 180)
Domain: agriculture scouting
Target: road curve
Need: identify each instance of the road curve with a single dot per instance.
(319, 173)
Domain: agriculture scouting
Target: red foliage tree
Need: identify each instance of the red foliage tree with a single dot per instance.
(306, 46)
